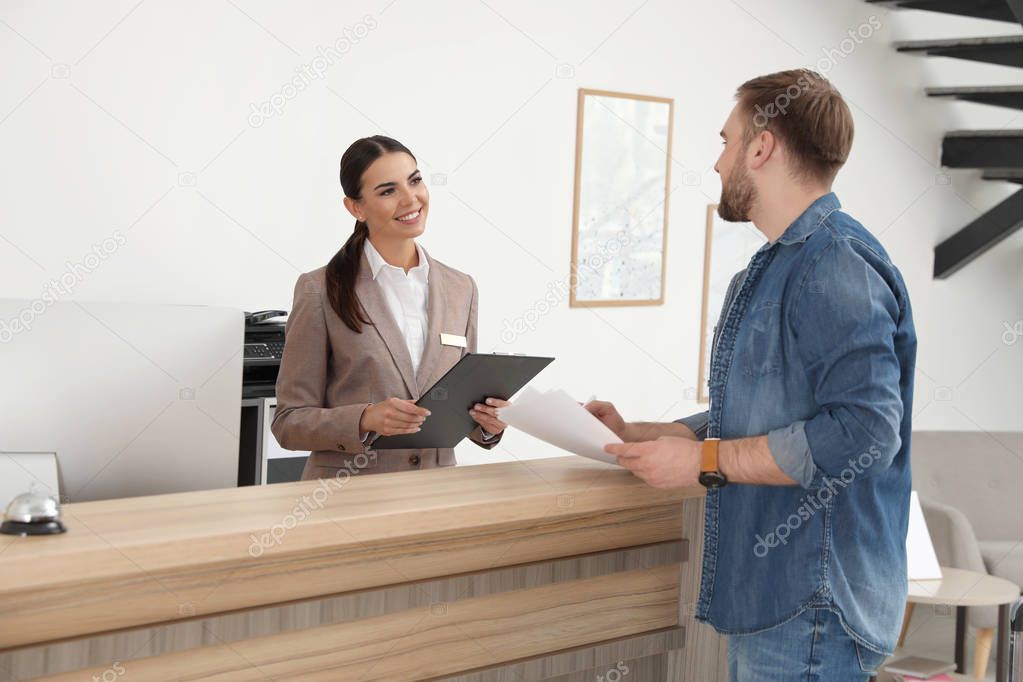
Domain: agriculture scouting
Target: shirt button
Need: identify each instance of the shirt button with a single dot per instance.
(414, 460)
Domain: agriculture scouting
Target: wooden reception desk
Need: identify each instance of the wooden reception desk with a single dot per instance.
(560, 569)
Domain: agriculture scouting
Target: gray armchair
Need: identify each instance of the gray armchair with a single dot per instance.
(969, 486)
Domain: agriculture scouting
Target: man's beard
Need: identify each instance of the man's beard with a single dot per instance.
(737, 195)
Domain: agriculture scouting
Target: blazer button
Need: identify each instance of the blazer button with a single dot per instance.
(340, 446)
(414, 460)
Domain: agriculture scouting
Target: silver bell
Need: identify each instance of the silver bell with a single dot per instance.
(33, 513)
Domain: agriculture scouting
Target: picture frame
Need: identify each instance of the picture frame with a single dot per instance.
(620, 199)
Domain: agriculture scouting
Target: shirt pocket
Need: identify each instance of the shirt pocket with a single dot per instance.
(762, 352)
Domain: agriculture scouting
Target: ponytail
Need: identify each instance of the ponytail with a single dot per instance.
(342, 272)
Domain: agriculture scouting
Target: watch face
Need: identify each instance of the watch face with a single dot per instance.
(712, 479)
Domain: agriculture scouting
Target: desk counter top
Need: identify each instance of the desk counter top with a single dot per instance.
(135, 561)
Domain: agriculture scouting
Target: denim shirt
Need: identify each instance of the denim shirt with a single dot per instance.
(815, 348)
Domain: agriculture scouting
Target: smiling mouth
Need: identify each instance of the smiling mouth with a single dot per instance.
(410, 217)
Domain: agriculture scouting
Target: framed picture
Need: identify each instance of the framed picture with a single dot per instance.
(729, 248)
(622, 182)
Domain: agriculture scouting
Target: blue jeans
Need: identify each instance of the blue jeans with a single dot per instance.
(812, 647)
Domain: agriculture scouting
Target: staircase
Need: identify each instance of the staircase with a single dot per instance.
(997, 153)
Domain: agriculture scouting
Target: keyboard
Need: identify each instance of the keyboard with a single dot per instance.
(268, 350)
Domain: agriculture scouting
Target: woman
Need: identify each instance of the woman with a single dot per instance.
(375, 328)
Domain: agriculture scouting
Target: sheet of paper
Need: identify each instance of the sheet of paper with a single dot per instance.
(556, 418)
(920, 556)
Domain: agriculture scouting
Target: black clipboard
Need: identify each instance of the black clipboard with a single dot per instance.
(475, 377)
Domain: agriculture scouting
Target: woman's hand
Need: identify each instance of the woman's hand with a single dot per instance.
(392, 417)
(486, 415)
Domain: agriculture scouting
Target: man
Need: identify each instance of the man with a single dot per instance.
(811, 385)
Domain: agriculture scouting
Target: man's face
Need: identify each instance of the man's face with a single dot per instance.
(737, 191)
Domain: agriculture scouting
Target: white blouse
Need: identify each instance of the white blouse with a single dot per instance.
(406, 296)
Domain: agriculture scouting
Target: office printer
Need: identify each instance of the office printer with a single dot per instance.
(260, 459)
(264, 348)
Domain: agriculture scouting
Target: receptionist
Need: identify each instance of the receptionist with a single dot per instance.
(378, 325)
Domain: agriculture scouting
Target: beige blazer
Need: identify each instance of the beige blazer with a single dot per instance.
(330, 374)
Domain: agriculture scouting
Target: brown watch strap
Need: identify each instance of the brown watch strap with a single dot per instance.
(710, 455)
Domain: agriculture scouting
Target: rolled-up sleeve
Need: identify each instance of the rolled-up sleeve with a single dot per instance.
(697, 423)
(792, 454)
(844, 321)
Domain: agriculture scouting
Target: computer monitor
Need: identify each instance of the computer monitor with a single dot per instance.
(135, 399)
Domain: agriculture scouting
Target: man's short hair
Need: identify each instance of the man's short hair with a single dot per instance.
(808, 116)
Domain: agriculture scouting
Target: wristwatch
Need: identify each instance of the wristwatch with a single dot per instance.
(710, 475)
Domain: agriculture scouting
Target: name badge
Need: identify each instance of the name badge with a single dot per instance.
(452, 340)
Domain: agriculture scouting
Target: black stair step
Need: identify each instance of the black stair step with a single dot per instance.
(1004, 50)
(983, 9)
(982, 149)
(979, 236)
(999, 95)
(1005, 174)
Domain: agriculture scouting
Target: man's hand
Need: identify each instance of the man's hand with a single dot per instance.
(634, 432)
(607, 413)
(668, 462)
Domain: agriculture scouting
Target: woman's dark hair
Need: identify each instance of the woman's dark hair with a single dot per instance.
(343, 268)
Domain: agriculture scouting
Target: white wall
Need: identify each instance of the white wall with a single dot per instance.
(136, 117)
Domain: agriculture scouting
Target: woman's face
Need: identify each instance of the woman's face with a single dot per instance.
(394, 200)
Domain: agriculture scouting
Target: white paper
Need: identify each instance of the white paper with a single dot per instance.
(555, 418)
(922, 562)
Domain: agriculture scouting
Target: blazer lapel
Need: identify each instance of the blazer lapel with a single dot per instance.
(372, 299)
(435, 309)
